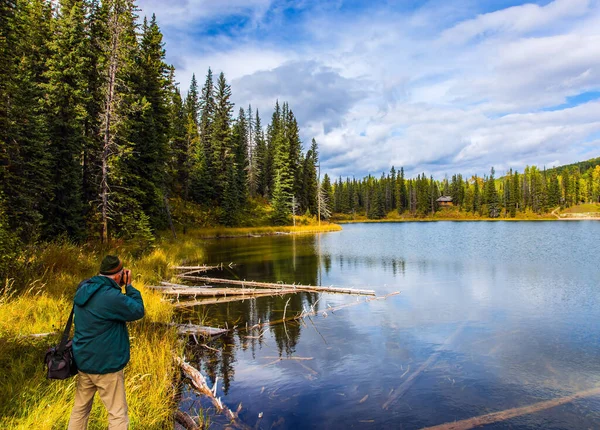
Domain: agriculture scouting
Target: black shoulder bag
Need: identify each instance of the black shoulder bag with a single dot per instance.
(59, 359)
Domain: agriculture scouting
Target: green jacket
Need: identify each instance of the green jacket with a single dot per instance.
(101, 340)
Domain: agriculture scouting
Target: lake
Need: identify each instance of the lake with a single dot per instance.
(492, 316)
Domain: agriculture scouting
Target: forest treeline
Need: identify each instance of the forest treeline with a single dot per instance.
(97, 137)
(539, 191)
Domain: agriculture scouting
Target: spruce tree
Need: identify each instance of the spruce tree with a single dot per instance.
(491, 196)
(241, 162)
(251, 141)
(294, 147)
(402, 193)
(221, 143)
(145, 146)
(24, 158)
(97, 29)
(207, 113)
(309, 188)
(66, 100)
(260, 159)
(183, 130)
(476, 195)
(281, 200)
(554, 191)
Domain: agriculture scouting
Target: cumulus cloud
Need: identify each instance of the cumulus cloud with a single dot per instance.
(516, 20)
(442, 88)
(316, 93)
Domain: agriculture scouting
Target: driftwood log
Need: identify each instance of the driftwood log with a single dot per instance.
(170, 284)
(214, 292)
(190, 329)
(212, 301)
(199, 383)
(197, 268)
(403, 388)
(362, 292)
(507, 414)
(186, 421)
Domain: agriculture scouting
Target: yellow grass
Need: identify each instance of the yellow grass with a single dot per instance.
(583, 208)
(27, 399)
(41, 300)
(221, 232)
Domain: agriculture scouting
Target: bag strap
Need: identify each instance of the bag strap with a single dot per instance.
(65, 336)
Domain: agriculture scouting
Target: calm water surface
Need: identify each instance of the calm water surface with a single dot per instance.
(491, 316)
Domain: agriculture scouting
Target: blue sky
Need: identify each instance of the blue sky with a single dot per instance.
(440, 87)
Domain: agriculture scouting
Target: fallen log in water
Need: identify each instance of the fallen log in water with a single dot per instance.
(170, 284)
(514, 412)
(238, 298)
(189, 329)
(185, 420)
(276, 285)
(213, 292)
(198, 268)
(403, 388)
(200, 384)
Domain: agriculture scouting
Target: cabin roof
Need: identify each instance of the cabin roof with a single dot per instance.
(444, 199)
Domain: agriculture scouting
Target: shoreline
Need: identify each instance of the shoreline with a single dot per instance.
(463, 220)
(236, 232)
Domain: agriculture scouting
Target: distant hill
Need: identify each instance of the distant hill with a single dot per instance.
(582, 165)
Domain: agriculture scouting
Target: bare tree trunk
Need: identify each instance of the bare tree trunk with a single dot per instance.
(108, 118)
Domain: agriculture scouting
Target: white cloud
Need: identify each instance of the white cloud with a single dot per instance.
(440, 89)
(516, 20)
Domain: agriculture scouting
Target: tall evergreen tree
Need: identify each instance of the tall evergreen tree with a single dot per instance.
(260, 159)
(66, 102)
(476, 195)
(491, 196)
(24, 162)
(145, 155)
(281, 201)
(240, 149)
(221, 143)
(309, 188)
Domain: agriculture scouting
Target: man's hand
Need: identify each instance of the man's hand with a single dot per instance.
(126, 277)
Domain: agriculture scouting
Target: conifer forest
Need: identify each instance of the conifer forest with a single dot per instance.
(97, 141)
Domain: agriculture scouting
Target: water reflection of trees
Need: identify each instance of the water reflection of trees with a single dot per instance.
(270, 261)
(397, 265)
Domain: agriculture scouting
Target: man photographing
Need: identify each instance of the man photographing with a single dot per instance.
(101, 342)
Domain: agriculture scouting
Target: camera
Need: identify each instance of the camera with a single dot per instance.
(125, 277)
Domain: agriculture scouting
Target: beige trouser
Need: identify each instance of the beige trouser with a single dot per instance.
(111, 388)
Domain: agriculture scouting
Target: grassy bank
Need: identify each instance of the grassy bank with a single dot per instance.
(225, 232)
(41, 304)
(38, 300)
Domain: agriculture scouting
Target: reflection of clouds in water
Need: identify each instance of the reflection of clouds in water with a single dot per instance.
(527, 292)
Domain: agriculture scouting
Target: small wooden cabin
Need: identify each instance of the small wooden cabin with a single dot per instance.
(445, 201)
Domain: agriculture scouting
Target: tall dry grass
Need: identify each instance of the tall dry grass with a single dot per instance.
(27, 399)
